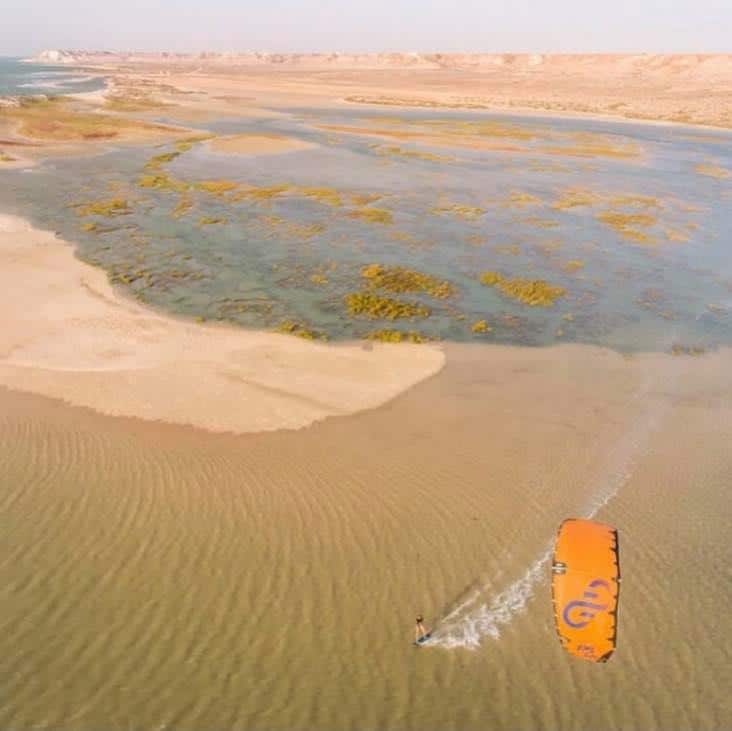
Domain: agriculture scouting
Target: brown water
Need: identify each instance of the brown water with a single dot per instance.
(158, 577)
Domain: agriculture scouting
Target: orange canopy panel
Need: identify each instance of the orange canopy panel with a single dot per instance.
(585, 588)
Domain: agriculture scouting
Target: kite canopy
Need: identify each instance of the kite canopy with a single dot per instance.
(585, 588)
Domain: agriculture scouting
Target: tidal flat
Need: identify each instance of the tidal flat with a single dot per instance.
(198, 227)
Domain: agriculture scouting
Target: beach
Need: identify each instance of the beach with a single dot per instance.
(277, 376)
(128, 361)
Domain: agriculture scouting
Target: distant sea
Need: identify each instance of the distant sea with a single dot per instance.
(18, 78)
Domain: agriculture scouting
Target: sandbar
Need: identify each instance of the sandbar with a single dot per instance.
(68, 334)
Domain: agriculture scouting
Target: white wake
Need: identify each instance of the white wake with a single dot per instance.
(480, 615)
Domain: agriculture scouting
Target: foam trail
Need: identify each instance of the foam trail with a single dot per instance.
(467, 625)
(475, 618)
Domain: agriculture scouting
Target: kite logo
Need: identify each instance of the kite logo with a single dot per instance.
(587, 609)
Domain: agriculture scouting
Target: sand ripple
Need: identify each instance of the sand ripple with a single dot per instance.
(156, 576)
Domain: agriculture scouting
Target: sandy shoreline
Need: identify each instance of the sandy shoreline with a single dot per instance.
(70, 335)
(684, 89)
(125, 359)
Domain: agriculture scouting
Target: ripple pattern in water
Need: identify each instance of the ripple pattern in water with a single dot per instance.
(156, 577)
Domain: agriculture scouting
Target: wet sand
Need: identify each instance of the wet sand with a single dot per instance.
(250, 144)
(158, 576)
(70, 335)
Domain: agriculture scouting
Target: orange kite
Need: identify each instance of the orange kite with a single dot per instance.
(585, 588)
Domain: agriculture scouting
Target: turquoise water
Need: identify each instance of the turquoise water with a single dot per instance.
(294, 257)
(22, 79)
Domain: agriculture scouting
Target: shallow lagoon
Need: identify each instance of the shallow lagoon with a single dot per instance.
(18, 78)
(639, 240)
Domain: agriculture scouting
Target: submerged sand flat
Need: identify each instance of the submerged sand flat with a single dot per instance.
(252, 144)
(157, 576)
(69, 335)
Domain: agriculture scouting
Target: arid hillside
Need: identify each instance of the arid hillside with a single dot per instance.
(683, 88)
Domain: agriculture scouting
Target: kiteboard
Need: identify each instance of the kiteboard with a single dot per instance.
(423, 640)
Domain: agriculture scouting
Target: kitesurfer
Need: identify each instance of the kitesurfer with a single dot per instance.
(420, 631)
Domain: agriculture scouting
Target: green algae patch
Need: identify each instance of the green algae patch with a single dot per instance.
(163, 181)
(531, 292)
(541, 166)
(261, 194)
(293, 229)
(507, 249)
(372, 215)
(217, 187)
(397, 336)
(573, 265)
(712, 171)
(161, 279)
(401, 280)
(480, 327)
(185, 204)
(364, 199)
(383, 308)
(488, 128)
(628, 225)
(156, 163)
(475, 240)
(549, 248)
(678, 237)
(545, 223)
(304, 232)
(693, 350)
(396, 151)
(520, 199)
(328, 196)
(576, 198)
(469, 213)
(108, 208)
(589, 144)
(211, 221)
(616, 219)
(134, 101)
(58, 120)
(186, 144)
(636, 201)
(409, 240)
(290, 327)
(657, 302)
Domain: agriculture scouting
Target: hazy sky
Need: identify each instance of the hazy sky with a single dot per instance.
(27, 26)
